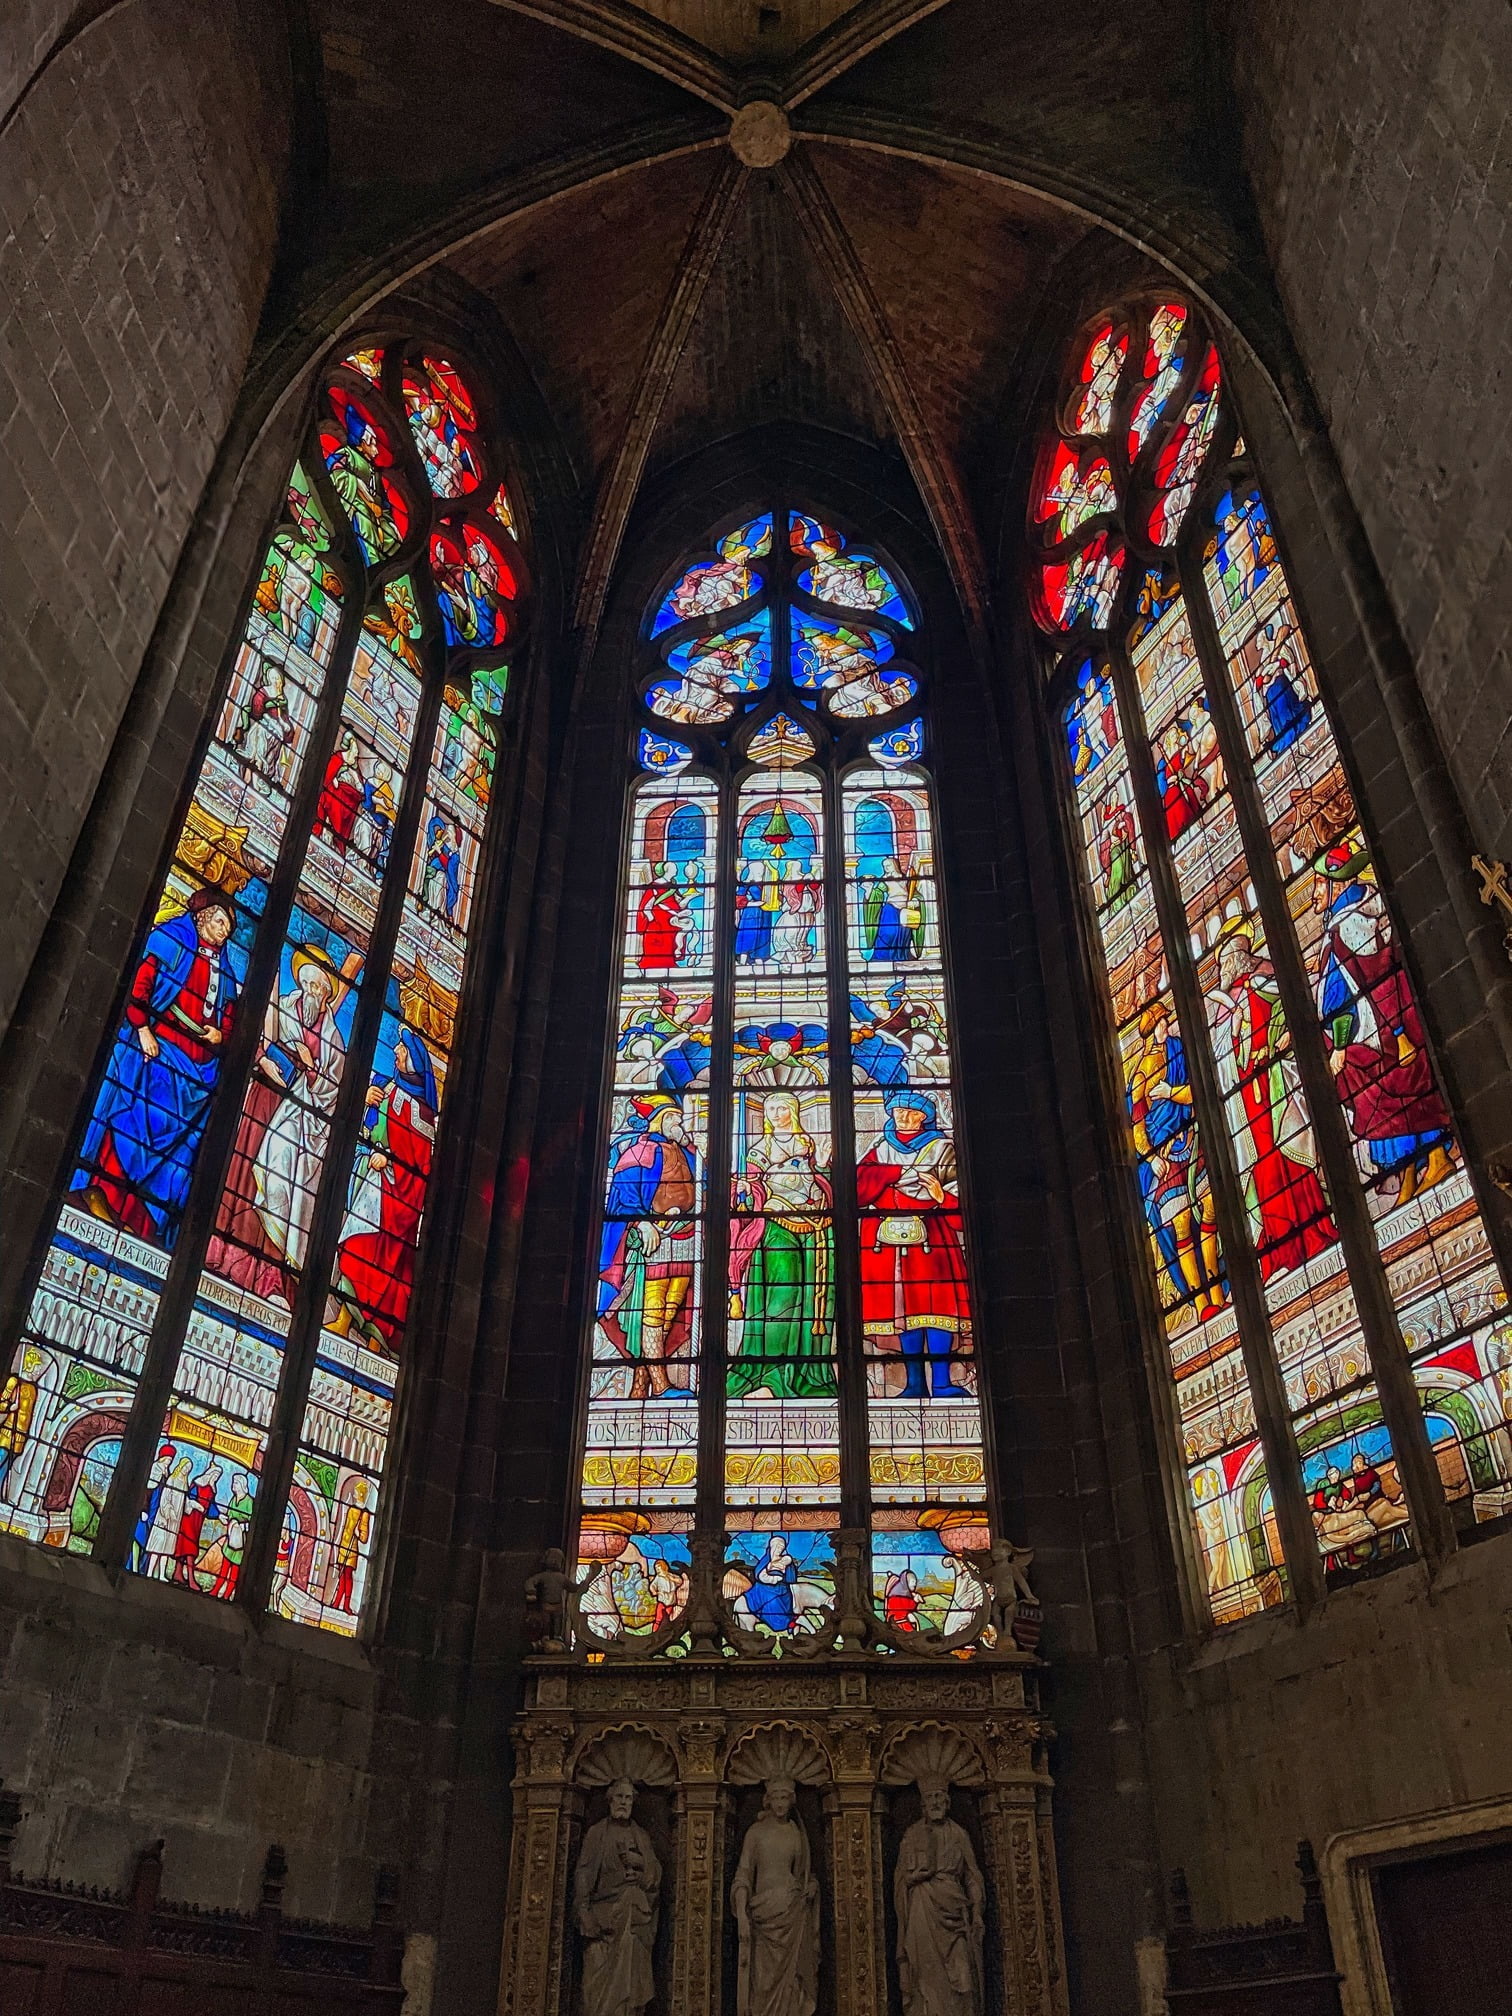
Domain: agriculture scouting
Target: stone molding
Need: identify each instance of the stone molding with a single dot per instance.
(1346, 1865)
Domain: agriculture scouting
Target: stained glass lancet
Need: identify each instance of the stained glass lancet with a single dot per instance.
(1250, 961)
(223, 1302)
(781, 1199)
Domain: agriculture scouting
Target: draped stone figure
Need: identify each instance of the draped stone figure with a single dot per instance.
(776, 1904)
(940, 1898)
(615, 1896)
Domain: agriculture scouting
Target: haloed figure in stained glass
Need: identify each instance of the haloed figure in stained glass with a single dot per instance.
(151, 1110)
(781, 1264)
(1172, 1180)
(913, 1262)
(281, 1140)
(649, 1244)
(1376, 1045)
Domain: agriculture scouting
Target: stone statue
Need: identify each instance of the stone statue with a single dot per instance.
(776, 1904)
(1008, 1579)
(940, 1896)
(614, 1901)
(546, 1603)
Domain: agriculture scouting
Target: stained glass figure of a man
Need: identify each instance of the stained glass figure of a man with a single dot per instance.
(1376, 1043)
(1172, 1181)
(913, 1262)
(375, 1253)
(144, 1134)
(1277, 1154)
(647, 1258)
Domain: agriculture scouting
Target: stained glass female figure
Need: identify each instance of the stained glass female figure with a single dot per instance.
(780, 1264)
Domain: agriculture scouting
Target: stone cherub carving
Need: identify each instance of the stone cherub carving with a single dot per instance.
(776, 1903)
(546, 1595)
(616, 1894)
(1007, 1579)
(940, 1899)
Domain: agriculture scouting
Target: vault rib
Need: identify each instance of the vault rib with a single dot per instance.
(844, 44)
(659, 367)
(623, 30)
(934, 476)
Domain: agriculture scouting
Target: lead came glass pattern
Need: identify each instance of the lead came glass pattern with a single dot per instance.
(1120, 486)
(1446, 1287)
(927, 1465)
(1315, 1324)
(368, 761)
(69, 1400)
(1224, 1463)
(781, 659)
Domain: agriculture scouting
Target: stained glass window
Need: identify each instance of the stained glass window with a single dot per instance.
(1309, 1215)
(782, 1347)
(206, 1376)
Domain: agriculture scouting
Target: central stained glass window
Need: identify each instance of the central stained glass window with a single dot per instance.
(781, 1337)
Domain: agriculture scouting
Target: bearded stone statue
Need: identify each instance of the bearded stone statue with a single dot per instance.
(615, 1897)
(940, 1899)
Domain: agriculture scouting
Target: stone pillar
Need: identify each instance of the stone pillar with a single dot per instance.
(701, 1811)
(1033, 1982)
(1055, 1952)
(545, 1808)
(856, 1856)
(856, 1885)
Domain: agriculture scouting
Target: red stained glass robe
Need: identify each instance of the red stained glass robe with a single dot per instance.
(919, 1284)
(376, 1256)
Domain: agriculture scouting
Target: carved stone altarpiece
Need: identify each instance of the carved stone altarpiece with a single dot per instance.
(859, 1732)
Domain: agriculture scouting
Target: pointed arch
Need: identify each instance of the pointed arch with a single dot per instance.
(1324, 1274)
(781, 1348)
(231, 1265)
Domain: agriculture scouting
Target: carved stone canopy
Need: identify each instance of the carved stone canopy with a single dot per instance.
(932, 1752)
(625, 1753)
(705, 1728)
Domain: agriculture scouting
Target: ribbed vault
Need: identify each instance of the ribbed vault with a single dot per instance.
(568, 160)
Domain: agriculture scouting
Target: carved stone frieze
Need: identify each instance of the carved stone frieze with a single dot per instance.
(862, 1734)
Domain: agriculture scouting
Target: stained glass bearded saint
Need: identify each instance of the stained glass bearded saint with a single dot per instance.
(649, 1247)
(143, 1136)
(913, 1259)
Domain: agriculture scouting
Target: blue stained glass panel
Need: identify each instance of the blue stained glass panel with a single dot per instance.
(722, 583)
(711, 674)
(899, 745)
(849, 667)
(656, 753)
(853, 580)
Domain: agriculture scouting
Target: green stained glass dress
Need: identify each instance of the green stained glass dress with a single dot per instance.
(783, 1269)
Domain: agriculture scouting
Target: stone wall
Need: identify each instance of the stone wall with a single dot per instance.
(1376, 136)
(132, 1713)
(1391, 1700)
(140, 187)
